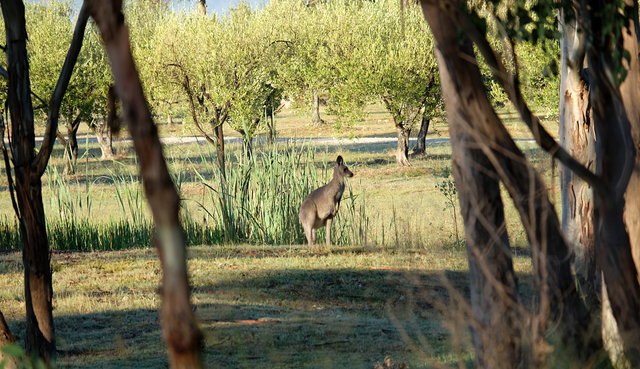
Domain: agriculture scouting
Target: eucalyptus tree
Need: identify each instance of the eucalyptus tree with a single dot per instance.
(584, 111)
(179, 326)
(26, 166)
(483, 153)
(6, 337)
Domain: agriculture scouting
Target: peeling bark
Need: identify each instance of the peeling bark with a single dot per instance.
(559, 303)
(577, 136)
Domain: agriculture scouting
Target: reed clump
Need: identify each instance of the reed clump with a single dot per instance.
(253, 200)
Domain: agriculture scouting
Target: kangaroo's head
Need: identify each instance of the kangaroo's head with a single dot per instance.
(340, 170)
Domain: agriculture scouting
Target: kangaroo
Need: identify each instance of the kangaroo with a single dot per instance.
(321, 206)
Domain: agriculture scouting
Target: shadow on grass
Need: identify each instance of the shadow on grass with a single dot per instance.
(339, 318)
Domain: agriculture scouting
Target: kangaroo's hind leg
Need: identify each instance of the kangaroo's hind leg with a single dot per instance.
(309, 233)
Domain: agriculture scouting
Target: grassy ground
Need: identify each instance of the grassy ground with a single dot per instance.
(281, 306)
(277, 307)
(393, 195)
(377, 122)
(403, 205)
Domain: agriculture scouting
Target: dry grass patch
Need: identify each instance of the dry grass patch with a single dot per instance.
(275, 306)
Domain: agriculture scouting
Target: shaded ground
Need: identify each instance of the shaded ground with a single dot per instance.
(276, 307)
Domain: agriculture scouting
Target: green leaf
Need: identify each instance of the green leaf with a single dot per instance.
(12, 350)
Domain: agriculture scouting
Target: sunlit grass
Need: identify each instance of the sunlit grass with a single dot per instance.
(402, 207)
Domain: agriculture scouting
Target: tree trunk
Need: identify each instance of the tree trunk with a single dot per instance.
(71, 147)
(6, 337)
(104, 131)
(247, 147)
(630, 95)
(466, 100)
(105, 140)
(577, 136)
(202, 7)
(40, 335)
(219, 133)
(615, 114)
(630, 92)
(493, 285)
(495, 323)
(169, 121)
(114, 121)
(5, 333)
(421, 142)
(271, 123)
(402, 149)
(179, 326)
(316, 120)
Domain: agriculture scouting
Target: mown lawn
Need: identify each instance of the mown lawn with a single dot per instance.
(260, 306)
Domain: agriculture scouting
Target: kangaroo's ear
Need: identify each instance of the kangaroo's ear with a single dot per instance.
(339, 160)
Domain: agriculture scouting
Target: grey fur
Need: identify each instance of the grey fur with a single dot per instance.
(321, 206)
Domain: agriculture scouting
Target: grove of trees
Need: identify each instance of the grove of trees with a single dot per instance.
(215, 70)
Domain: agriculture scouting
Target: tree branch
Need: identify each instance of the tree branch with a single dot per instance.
(43, 104)
(4, 74)
(511, 86)
(179, 326)
(61, 87)
(186, 85)
(7, 164)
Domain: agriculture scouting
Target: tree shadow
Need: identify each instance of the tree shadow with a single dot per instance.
(291, 318)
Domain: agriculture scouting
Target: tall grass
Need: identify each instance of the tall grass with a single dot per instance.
(257, 200)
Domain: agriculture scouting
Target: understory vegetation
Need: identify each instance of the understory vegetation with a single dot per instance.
(102, 207)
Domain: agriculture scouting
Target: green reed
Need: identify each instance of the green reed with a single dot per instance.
(259, 198)
(256, 201)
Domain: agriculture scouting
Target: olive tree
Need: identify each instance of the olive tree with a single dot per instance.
(390, 59)
(404, 73)
(311, 33)
(223, 67)
(257, 40)
(50, 34)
